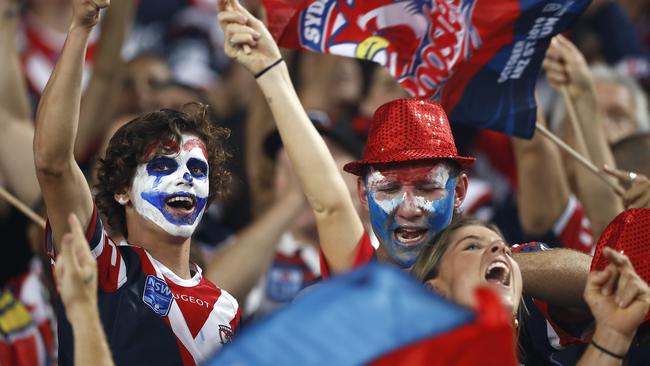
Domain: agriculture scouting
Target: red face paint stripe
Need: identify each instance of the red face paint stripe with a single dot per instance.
(192, 143)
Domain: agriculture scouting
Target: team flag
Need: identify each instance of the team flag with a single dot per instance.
(376, 315)
(478, 58)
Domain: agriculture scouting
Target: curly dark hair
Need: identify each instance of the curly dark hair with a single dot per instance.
(134, 143)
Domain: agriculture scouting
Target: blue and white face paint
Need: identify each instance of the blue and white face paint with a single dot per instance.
(172, 190)
(408, 205)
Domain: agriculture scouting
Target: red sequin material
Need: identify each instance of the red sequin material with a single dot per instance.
(408, 130)
(629, 233)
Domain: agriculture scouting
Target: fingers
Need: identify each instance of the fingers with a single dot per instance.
(102, 4)
(226, 17)
(555, 72)
(598, 278)
(609, 287)
(619, 259)
(638, 195)
(634, 288)
(621, 287)
(623, 176)
(75, 225)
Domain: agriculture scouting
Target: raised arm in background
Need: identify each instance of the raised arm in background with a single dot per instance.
(64, 186)
(98, 100)
(238, 265)
(566, 68)
(76, 273)
(16, 156)
(13, 89)
(543, 191)
(339, 225)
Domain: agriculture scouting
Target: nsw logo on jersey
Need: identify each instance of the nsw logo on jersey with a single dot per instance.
(225, 333)
(157, 295)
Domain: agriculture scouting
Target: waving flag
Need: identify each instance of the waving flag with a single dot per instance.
(376, 315)
(478, 58)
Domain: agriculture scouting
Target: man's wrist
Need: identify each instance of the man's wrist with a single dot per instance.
(79, 29)
(81, 311)
(612, 340)
(277, 74)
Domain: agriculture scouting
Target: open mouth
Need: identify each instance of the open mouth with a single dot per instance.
(181, 204)
(409, 235)
(499, 273)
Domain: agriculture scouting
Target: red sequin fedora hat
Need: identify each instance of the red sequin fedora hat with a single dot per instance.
(408, 130)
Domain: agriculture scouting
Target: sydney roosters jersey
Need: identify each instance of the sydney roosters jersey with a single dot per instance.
(150, 315)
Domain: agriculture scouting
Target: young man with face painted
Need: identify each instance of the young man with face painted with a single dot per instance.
(159, 173)
(410, 177)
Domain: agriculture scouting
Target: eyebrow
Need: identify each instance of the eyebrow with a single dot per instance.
(476, 237)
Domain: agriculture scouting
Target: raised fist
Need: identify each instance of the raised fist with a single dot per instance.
(85, 13)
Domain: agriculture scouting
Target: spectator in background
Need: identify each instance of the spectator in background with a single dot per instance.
(622, 103)
(143, 75)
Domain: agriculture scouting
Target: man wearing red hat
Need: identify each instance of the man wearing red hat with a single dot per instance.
(411, 177)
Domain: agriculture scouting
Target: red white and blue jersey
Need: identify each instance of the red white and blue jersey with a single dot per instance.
(295, 267)
(150, 315)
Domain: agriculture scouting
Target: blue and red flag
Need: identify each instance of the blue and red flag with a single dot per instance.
(478, 58)
(376, 315)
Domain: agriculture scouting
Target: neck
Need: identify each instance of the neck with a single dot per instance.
(171, 251)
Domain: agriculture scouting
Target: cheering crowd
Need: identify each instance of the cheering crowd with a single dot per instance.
(171, 178)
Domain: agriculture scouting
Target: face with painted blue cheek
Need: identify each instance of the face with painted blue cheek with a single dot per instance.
(172, 190)
(408, 205)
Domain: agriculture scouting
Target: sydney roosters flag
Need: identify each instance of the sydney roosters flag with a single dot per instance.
(478, 58)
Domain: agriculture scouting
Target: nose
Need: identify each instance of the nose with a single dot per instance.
(187, 179)
(409, 209)
(499, 246)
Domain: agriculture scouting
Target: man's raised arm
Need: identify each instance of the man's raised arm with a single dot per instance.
(64, 186)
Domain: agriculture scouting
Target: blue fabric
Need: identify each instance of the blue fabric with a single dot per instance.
(348, 320)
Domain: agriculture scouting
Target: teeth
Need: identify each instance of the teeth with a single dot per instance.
(180, 199)
(497, 265)
(408, 236)
(504, 278)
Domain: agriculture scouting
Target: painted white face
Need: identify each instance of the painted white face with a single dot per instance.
(172, 190)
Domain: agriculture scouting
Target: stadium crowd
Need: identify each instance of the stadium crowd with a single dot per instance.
(170, 177)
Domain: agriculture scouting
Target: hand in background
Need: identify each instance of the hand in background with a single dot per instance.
(565, 66)
(637, 194)
(76, 270)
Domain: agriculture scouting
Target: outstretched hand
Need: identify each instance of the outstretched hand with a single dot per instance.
(85, 13)
(76, 269)
(618, 298)
(247, 39)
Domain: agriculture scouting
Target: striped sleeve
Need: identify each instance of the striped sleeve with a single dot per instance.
(111, 268)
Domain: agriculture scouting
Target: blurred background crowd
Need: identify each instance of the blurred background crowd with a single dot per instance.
(260, 243)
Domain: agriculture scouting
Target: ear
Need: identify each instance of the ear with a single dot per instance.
(123, 198)
(460, 190)
(362, 192)
(438, 287)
